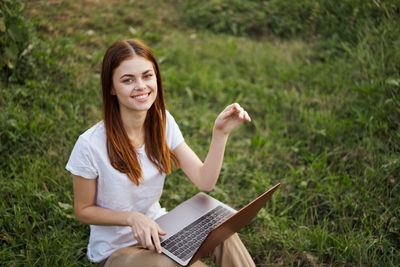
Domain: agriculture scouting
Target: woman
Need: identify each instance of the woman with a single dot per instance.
(119, 165)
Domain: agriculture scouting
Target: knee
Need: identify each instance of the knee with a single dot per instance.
(232, 239)
(162, 260)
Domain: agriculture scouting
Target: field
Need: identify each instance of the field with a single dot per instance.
(321, 82)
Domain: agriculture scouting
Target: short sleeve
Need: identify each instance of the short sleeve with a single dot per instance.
(81, 161)
(173, 133)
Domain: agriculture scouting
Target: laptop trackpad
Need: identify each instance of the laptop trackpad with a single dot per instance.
(178, 218)
(202, 202)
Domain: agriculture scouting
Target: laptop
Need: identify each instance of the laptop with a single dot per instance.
(201, 223)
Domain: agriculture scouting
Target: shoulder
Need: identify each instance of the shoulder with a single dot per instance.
(168, 116)
(170, 121)
(94, 134)
(88, 150)
(173, 133)
(93, 139)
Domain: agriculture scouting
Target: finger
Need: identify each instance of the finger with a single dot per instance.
(241, 113)
(232, 107)
(247, 117)
(229, 110)
(156, 240)
(236, 106)
(149, 243)
(160, 231)
(141, 239)
(136, 237)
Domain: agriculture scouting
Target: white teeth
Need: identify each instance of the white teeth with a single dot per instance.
(141, 96)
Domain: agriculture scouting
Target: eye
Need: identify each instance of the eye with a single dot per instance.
(127, 80)
(147, 76)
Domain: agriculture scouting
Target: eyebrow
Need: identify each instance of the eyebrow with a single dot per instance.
(131, 75)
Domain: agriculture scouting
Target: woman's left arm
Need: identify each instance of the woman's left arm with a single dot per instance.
(205, 175)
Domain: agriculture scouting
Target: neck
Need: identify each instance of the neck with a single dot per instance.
(133, 124)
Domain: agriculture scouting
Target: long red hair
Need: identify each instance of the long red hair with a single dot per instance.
(120, 151)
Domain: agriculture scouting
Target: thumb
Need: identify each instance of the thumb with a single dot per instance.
(228, 112)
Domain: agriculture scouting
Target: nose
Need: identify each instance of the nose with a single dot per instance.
(139, 84)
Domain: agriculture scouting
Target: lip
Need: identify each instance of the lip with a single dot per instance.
(141, 99)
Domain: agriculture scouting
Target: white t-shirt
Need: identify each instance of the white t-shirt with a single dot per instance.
(115, 191)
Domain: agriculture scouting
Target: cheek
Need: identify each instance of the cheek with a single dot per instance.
(121, 89)
(113, 86)
(155, 85)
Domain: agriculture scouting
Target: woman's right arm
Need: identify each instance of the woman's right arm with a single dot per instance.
(86, 211)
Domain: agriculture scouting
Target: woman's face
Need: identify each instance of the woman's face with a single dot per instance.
(135, 84)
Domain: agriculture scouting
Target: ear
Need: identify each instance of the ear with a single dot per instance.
(112, 90)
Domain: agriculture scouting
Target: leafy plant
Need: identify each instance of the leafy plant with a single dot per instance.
(15, 42)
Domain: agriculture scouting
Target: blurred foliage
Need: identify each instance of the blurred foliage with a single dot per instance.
(363, 30)
(286, 18)
(15, 42)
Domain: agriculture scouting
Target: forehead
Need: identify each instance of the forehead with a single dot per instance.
(134, 65)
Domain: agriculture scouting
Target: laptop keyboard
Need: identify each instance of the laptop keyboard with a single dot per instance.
(184, 243)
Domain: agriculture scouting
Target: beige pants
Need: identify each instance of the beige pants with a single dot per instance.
(231, 253)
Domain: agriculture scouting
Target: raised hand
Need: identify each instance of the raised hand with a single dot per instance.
(146, 231)
(230, 118)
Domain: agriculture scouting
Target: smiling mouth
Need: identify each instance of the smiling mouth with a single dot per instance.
(141, 96)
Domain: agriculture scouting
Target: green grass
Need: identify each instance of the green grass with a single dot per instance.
(325, 124)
